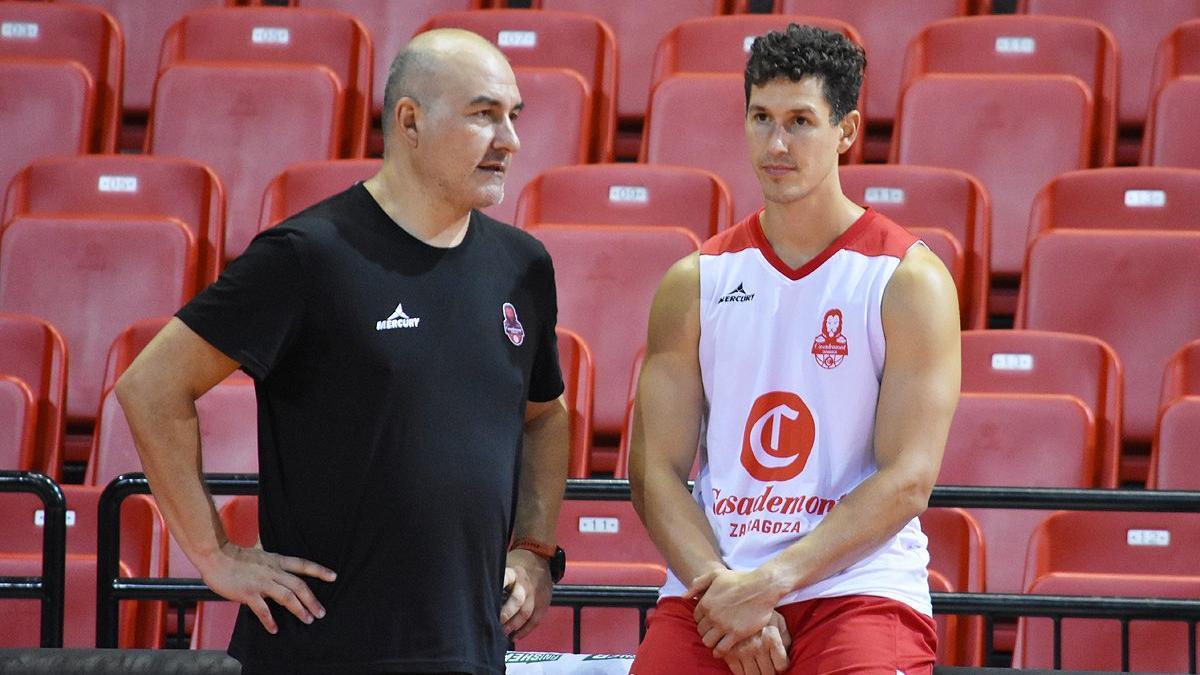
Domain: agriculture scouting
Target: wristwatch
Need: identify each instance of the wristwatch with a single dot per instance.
(554, 555)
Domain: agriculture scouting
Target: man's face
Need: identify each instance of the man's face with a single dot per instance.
(467, 138)
(793, 144)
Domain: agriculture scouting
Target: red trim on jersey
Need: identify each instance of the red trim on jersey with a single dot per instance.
(873, 234)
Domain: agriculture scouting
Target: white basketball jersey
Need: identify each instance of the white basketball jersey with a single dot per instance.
(791, 362)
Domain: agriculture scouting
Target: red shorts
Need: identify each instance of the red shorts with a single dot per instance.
(852, 634)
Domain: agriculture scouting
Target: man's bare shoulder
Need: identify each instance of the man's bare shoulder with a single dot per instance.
(920, 287)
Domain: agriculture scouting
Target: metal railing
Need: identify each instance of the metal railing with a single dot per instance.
(49, 587)
(111, 589)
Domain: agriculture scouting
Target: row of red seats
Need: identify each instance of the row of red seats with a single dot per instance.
(173, 207)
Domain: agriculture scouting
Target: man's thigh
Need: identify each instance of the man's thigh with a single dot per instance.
(860, 634)
(672, 645)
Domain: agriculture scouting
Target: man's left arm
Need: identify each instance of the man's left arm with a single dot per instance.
(917, 398)
(543, 477)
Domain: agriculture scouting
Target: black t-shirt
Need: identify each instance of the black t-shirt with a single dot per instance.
(392, 378)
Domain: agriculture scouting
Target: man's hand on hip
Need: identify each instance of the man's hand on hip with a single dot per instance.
(528, 577)
(251, 575)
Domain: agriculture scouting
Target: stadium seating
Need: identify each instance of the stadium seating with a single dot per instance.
(924, 198)
(107, 272)
(1030, 45)
(86, 35)
(1138, 29)
(638, 27)
(17, 426)
(555, 98)
(1123, 198)
(721, 44)
(1178, 55)
(48, 110)
(957, 559)
(715, 103)
(579, 376)
(886, 26)
(1173, 457)
(216, 114)
(939, 125)
(547, 39)
(1111, 553)
(608, 545)
(606, 278)
(274, 35)
(1170, 138)
(391, 25)
(1143, 305)
(304, 184)
(1037, 362)
(143, 25)
(128, 185)
(627, 194)
(34, 352)
(143, 554)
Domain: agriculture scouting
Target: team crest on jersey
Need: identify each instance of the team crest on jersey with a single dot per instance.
(512, 325)
(830, 346)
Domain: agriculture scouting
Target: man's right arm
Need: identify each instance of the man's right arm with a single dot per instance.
(666, 427)
(158, 394)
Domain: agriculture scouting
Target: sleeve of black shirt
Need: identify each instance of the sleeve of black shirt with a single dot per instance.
(545, 382)
(252, 311)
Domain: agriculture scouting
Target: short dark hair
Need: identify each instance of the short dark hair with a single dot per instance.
(800, 51)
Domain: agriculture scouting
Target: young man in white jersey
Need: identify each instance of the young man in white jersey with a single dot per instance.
(820, 397)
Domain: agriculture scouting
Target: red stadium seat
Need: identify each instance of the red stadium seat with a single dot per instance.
(1028, 440)
(216, 114)
(1177, 55)
(721, 45)
(391, 24)
(144, 24)
(107, 273)
(928, 197)
(1030, 45)
(579, 377)
(546, 39)
(48, 110)
(1170, 139)
(128, 185)
(228, 415)
(302, 185)
(1133, 198)
(17, 425)
(1143, 305)
(36, 353)
(1111, 553)
(638, 28)
(1173, 456)
(887, 26)
(956, 558)
(285, 36)
(627, 194)
(938, 125)
(143, 554)
(1138, 29)
(715, 103)
(1036, 362)
(214, 620)
(608, 545)
(555, 98)
(21, 618)
(86, 35)
(606, 278)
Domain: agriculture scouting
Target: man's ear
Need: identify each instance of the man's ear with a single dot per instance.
(408, 114)
(850, 127)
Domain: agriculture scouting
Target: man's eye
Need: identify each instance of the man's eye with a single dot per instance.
(760, 117)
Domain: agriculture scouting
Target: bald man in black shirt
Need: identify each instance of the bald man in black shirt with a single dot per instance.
(411, 422)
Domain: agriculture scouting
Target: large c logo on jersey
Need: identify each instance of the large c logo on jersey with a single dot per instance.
(779, 436)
